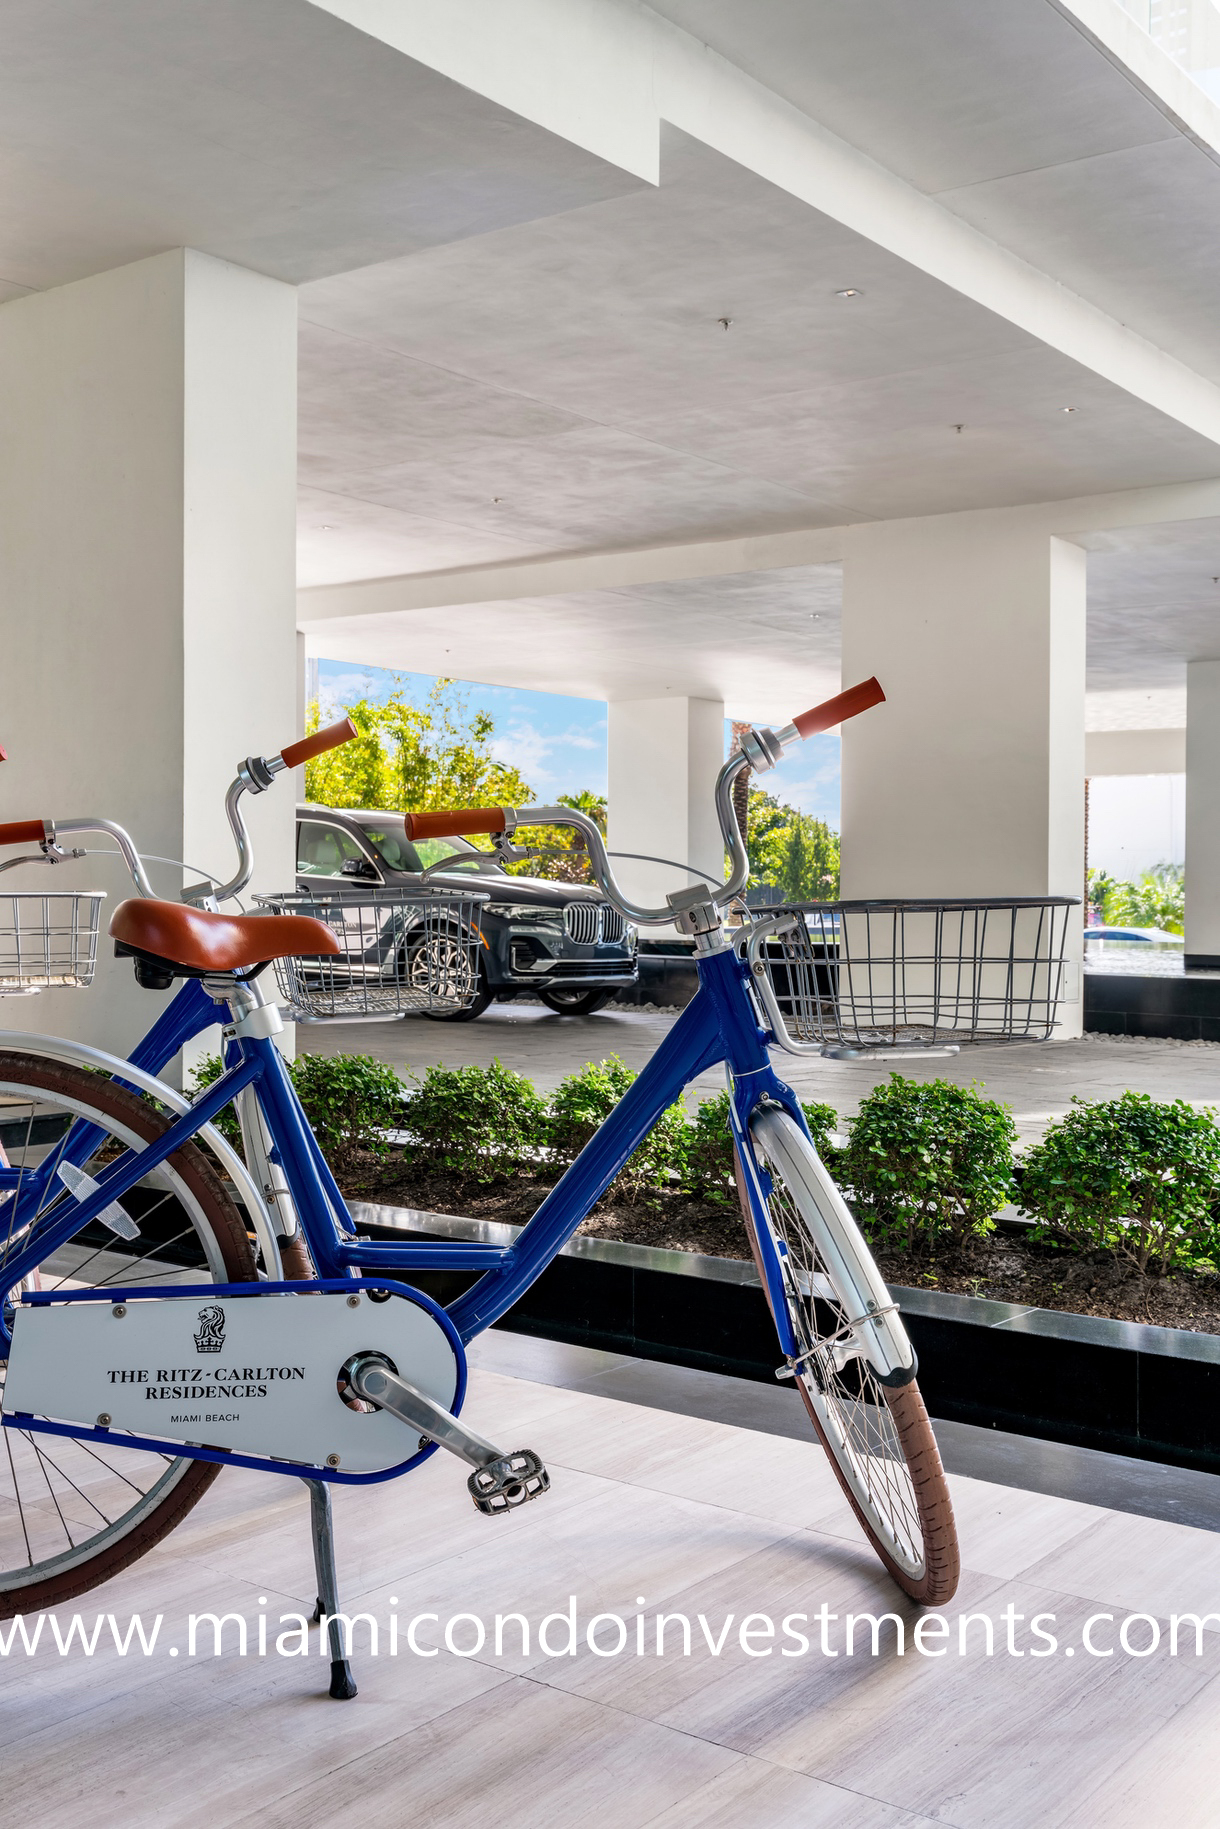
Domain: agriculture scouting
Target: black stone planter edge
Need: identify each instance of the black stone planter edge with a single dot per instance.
(1149, 1392)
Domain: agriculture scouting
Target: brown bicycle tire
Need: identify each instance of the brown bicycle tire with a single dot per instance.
(942, 1561)
(114, 1101)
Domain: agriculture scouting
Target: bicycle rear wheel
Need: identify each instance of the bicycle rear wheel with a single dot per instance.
(877, 1435)
(72, 1513)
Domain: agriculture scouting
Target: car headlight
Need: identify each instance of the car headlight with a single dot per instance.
(526, 914)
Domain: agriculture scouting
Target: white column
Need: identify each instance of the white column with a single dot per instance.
(969, 781)
(1203, 813)
(147, 627)
(664, 756)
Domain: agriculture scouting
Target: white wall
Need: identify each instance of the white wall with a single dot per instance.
(147, 560)
(664, 756)
(1136, 822)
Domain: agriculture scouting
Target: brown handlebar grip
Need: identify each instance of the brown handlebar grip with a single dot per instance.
(835, 711)
(455, 825)
(23, 832)
(318, 744)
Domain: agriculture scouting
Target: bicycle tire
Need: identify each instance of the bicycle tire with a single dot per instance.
(215, 1219)
(886, 1463)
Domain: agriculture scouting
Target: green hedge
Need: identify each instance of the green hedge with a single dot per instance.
(925, 1164)
(928, 1160)
(1133, 1177)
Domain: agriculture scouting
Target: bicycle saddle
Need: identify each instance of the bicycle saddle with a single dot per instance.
(168, 940)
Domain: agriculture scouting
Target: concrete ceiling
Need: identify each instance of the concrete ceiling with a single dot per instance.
(576, 369)
(265, 132)
(1154, 604)
(767, 643)
(1012, 118)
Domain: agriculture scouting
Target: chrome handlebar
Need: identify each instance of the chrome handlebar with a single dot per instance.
(255, 775)
(682, 900)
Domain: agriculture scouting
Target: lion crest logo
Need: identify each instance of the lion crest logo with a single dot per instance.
(211, 1335)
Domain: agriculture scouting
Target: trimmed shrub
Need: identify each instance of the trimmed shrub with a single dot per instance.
(927, 1161)
(485, 1122)
(708, 1172)
(1133, 1176)
(584, 1099)
(350, 1100)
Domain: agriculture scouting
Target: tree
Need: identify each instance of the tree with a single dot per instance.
(792, 850)
(415, 758)
(1158, 899)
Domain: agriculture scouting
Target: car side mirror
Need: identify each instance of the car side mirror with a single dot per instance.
(359, 866)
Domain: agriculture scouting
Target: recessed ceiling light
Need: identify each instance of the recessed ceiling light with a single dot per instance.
(326, 528)
(850, 292)
(495, 498)
(1067, 409)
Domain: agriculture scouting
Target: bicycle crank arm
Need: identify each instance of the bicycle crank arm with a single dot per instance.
(500, 1481)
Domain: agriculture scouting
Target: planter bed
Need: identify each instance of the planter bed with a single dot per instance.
(1007, 1267)
(1125, 1388)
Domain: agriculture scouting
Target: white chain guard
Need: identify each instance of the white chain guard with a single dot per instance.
(255, 1374)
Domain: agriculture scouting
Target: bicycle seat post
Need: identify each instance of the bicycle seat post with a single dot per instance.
(326, 1613)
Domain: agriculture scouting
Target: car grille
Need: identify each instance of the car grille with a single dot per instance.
(593, 923)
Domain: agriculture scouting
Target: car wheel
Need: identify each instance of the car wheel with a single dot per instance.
(575, 1003)
(482, 997)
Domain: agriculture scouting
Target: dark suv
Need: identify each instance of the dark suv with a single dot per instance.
(562, 941)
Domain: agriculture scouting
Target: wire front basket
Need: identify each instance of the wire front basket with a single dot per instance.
(848, 976)
(397, 953)
(47, 941)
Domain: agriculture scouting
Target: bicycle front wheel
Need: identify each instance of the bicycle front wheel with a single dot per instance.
(877, 1434)
(73, 1513)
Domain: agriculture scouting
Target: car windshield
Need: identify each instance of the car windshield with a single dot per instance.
(389, 840)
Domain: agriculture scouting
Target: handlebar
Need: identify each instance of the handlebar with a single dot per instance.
(760, 750)
(317, 744)
(23, 832)
(455, 824)
(254, 776)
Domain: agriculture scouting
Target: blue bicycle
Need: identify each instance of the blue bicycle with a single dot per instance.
(171, 1305)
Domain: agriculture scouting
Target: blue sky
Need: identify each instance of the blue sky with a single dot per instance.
(559, 744)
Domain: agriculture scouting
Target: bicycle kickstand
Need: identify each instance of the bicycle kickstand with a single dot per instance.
(342, 1682)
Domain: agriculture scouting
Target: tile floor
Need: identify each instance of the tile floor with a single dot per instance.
(699, 1517)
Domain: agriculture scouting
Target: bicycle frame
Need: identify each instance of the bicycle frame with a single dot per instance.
(719, 1025)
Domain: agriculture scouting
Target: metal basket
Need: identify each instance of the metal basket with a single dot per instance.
(48, 941)
(399, 952)
(843, 977)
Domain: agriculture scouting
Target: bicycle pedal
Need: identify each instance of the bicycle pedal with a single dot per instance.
(502, 1485)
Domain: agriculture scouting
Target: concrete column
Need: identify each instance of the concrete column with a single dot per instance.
(147, 498)
(664, 755)
(1203, 814)
(970, 780)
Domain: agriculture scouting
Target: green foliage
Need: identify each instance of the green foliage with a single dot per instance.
(708, 1167)
(1158, 899)
(350, 1100)
(1132, 1175)
(485, 1122)
(929, 1160)
(412, 758)
(208, 1069)
(584, 1099)
(792, 850)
